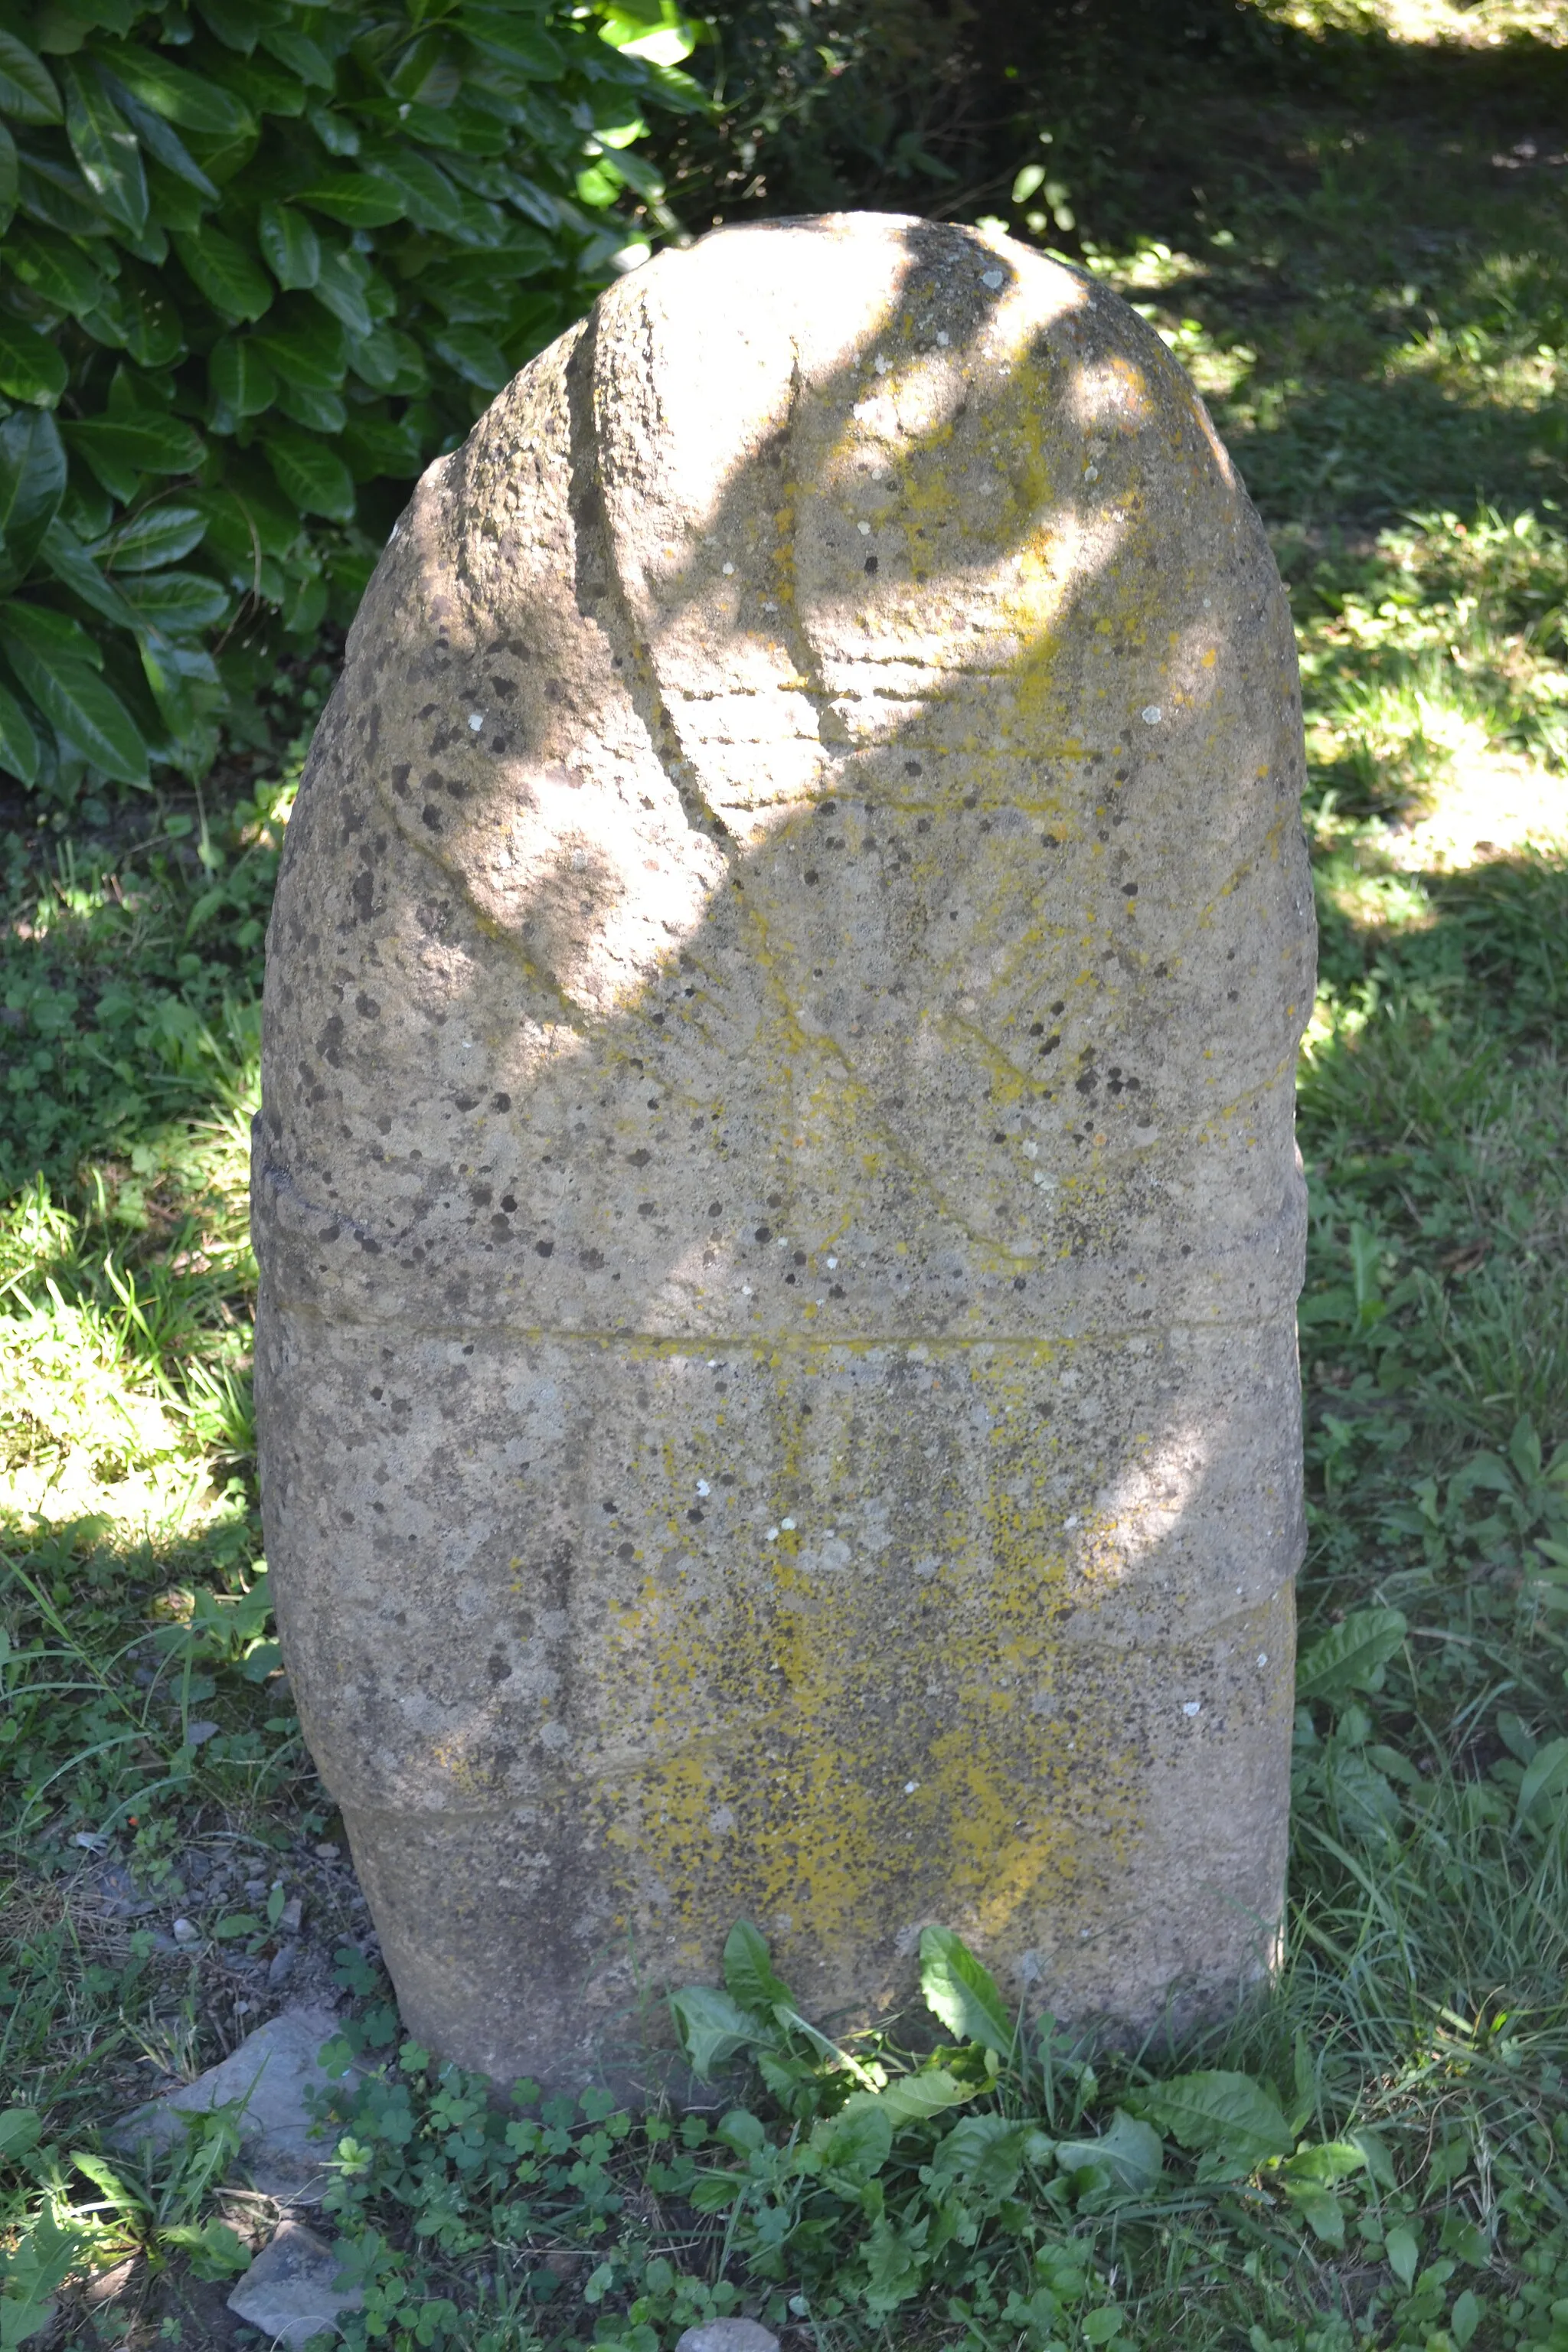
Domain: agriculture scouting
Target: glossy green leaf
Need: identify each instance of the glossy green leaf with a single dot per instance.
(65, 556)
(20, 754)
(527, 50)
(50, 633)
(1326, 2162)
(1320, 2209)
(314, 354)
(1130, 2154)
(535, 202)
(289, 245)
(52, 191)
(55, 268)
(113, 18)
(302, 54)
(961, 1994)
(486, 302)
(426, 71)
(7, 178)
(713, 2028)
(355, 199)
(749, 1975)
(175, 204)
(240, 542)
(105, 148)
(305, 600)
(31, 369)
(164, 134)
(375, 445)
(164, 673)
(182, 603)
(912, 2099)
(194, 101)
(27, 92)
(1351, 1655)
(265, 88)
(667, 43)
(322, 412)
(77, 704)
(428, 198)
(478, 360)
(240, 24)
(1403, 2251)
(142, 443)
(163, 143)
(219, 267)
(454, 126)
(159, 534)
(673, 90)
(340, 290)
(388, 361)
(598, 185)
(715, 2192)
(520, 254)
(858, 2140)
(1229, 2114)
(150, 321)
(20, 2130)
(338, 134)
(640, 174)
(32, 484)
(484, 224)
(240, 377)
(312, 477)
(1545, 1777)
(153, 244)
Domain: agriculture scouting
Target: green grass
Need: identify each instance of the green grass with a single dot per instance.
(1375, 311)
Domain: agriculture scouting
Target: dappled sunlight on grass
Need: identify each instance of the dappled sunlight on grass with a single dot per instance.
(1460, 23)
(124, 1370)
(1488, 808)
(1436, 689)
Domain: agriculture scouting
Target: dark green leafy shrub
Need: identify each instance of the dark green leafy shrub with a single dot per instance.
(261, 261)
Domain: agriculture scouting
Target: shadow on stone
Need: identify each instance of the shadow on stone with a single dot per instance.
(775, 1192)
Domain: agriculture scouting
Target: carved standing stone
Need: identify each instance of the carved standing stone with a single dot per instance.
(775, 1194)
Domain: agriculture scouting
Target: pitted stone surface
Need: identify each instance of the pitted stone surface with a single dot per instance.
(775, 1191)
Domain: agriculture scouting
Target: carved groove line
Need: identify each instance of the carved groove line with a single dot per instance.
(590, 518)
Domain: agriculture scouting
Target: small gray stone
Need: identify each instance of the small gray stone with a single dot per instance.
(289, 2291)
(728, 2336)
(271, 2071)
(119, 1895)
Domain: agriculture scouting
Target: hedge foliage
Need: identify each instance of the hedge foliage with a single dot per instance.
(260, 261)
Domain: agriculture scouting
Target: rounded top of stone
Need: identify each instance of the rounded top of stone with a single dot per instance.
(850, 646)
(846, 292)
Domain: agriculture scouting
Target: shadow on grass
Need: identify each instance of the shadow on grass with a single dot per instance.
(1377, 223)
(1431, 1121)
(130, 988)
